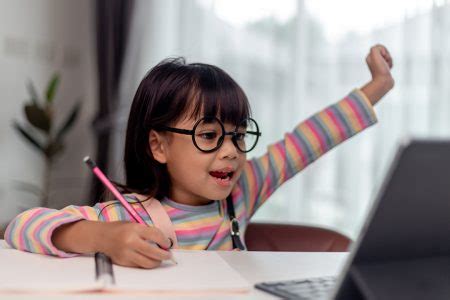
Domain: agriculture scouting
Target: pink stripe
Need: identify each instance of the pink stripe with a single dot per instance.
(23, 228)
(241, 215)
(46, 222)
(53, 226)
(105, 212)
(84, 213)
(282, 152)
(297, 147)
(268, 183)
(173, 212)
(337, 123)
(219, 237)
(194, 232)
(323, 144)
(357, 113)
(241, 208)
(36, 240)
(168, 208)
(254, 186)
(254, 172)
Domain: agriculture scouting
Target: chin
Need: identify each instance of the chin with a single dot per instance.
(219, 196)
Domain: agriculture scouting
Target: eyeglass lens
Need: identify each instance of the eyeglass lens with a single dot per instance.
(209, 134)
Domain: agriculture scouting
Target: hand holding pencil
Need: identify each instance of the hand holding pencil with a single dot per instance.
(127, 244)
(131, 244)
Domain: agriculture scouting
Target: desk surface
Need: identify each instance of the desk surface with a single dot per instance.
(253, 266)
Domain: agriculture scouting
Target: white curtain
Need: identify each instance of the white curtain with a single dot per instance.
(294, 62)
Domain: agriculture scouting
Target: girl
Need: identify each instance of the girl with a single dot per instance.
(188, 133)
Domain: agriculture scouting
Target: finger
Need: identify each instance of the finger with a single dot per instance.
(375, 49)
(390, 63)
(388, 58)
(385, 54)
(124, 259)
(155, 235)
(383, 49)
(379, 54)
(379, 50)
(151, 250)
(143, 261)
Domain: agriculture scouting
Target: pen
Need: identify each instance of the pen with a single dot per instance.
(130, 209)
(103, 269)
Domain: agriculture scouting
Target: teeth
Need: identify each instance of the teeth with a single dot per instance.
(223, 176)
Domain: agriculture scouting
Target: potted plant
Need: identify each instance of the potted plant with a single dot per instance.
(42, 133)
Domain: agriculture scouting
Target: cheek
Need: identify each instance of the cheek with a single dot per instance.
(188, 163)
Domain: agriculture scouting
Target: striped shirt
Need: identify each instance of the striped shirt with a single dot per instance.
(207, 227)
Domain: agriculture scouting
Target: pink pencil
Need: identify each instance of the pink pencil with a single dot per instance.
(130, 209)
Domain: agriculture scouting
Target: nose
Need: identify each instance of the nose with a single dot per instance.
(228, 149)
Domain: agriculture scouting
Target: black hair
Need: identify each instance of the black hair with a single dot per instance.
(168, 92)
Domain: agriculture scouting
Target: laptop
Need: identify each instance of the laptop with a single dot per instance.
(403, 250)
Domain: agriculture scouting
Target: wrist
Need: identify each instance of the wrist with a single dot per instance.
(83, 236)
(383, 83)
(97, 237)
(377, 88)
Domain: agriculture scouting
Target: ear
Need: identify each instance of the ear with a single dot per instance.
(157, 145)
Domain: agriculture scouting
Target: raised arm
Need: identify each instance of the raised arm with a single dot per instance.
(317, 135)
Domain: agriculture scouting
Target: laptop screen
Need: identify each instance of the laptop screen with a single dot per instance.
(407, 232)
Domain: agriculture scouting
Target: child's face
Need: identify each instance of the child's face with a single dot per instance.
(196, 175)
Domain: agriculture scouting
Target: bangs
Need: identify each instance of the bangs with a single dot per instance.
(215, 93)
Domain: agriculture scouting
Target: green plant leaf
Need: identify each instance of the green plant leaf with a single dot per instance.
(28, 137)
(32, 91)
(69, 121)
(37, 117)
(51, 88)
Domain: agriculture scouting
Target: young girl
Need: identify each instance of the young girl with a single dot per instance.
(189, 130)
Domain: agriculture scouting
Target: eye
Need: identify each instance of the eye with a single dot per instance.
(240, 136)
(208, 135)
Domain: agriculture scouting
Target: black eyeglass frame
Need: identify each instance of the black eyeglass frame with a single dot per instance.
(233, 134)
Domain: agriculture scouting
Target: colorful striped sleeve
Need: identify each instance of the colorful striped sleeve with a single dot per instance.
(299, 148)
(32, 230)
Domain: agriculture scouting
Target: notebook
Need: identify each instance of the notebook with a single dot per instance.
(196, 272)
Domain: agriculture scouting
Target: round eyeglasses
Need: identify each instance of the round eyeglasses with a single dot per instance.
(209, 133)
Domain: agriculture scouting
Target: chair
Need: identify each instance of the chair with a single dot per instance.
(298, 238)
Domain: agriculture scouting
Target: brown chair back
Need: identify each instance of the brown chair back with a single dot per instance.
(298, 238)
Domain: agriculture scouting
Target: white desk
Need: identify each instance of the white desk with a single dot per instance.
(253, 266)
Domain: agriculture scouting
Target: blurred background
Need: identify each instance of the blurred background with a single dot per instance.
(292, 58)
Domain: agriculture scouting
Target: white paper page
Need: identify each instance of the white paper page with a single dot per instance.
(22, 271)
(196, 271)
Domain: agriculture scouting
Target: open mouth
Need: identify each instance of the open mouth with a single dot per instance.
(222, 175)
